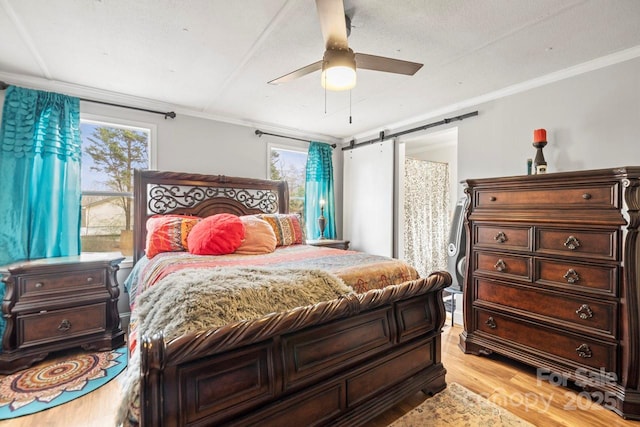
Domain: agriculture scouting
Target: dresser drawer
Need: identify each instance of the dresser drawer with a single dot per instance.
(502, 237)
(598, 196)
(577, 277)
(578, 243)
(59, 325)
(502, 265)
(45, 285)
(599, 317)
(574, 349)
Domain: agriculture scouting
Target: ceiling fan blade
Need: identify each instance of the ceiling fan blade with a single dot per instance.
(316, 66)
(389, 65)
(332, 23)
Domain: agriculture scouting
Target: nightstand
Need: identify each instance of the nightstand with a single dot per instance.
(59, 303)
(330, 243)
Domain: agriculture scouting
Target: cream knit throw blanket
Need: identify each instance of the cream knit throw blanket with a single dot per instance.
(200, 299)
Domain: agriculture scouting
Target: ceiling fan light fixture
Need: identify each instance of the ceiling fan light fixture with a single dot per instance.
(338, 69)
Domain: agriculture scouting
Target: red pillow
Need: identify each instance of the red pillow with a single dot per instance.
(216, 235)
(168, 233)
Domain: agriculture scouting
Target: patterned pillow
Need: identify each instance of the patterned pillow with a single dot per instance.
(287, 228)
(218, 234)
(259, 237)
(168, 233)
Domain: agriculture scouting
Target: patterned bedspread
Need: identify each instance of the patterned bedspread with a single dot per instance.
(359, 270)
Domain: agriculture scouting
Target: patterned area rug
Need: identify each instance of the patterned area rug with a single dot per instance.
(57, 381)
(458, 406)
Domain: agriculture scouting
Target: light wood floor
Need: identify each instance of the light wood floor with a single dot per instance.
(506, 383)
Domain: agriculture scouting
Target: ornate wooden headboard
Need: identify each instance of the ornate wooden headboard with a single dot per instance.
(161, 193)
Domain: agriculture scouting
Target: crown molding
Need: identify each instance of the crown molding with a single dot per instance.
(585, 67)
(90, 93)
(140, 102)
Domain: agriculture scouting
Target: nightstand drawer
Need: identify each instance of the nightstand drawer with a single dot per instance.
(577, 243)
(47, 327)
(48, 284)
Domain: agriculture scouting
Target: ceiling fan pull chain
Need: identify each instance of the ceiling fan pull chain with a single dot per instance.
(350, 106)
(325, 96)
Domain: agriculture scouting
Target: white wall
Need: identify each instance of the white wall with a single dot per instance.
(592, 122)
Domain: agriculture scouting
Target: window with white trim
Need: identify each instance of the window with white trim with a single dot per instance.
(110, 153)
(289, 164)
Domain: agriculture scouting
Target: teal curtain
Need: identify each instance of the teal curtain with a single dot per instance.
(40, 152)
(319, 187)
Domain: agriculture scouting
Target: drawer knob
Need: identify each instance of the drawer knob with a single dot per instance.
(586, 196)
(64, 326)
(500, 237)
(492, 198)
(89, 279)
(584, 312)
(584, 351)
(572, 243)
(571, 276)
(491, 323)
(39, 285)
(500, 265)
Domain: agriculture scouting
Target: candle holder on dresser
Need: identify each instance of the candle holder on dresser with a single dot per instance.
(539, 141)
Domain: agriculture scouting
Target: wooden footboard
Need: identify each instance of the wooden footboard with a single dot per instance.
(340, 362)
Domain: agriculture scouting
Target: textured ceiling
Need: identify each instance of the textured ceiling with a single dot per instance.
(213, 58)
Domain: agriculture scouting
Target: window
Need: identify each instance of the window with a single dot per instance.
(110, 153)
(290, 164)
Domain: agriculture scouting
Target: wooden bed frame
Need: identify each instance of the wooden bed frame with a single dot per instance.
(340, 362)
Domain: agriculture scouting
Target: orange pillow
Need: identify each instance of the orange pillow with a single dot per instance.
(287, 228)
(168, 233)
(259, 237)
(216, 235)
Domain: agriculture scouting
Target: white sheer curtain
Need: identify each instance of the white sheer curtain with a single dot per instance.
(426, 215)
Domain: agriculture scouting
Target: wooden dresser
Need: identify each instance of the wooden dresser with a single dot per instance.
(552, 278)
(58, 303)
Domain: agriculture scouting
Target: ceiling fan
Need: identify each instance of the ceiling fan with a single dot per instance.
(339, 62)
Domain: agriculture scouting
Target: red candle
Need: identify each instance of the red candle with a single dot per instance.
(539, 135)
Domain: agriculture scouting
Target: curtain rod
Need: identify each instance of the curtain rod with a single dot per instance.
(169, 114)
(260, 133)
(382, 136)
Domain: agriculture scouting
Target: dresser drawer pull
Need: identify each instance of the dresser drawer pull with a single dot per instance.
(571, 276)
(584, 312)
(492, 198)
(89, 279)
(500, 237)
(572, 243)
(64, 326)
(491, 323)
(584, 351)
(586, 196)
(39, 285)
(500, 265)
